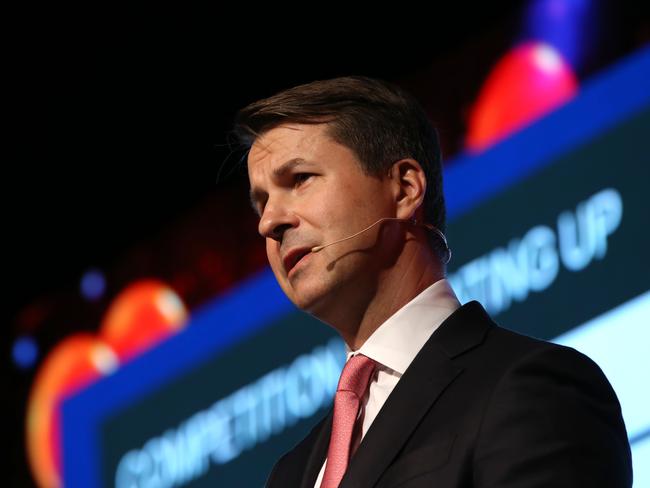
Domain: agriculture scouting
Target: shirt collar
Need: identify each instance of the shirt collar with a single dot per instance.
(396, 342)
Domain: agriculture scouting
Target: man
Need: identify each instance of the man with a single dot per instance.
(346, 177)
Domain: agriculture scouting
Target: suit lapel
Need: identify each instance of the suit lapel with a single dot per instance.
(423, 382)
(318, 452)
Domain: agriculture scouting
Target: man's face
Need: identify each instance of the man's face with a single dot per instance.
(319, 198)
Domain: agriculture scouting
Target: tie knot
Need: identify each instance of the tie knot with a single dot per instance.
(356, 374)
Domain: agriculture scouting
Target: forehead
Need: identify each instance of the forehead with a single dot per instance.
(288, 141)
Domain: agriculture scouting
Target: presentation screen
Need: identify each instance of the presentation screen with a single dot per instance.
(549, 231)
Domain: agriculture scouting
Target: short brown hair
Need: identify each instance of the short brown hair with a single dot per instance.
(380, 122)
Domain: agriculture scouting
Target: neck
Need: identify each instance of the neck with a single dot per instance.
(363, 312)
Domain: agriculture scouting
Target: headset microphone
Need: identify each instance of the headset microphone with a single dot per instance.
(412, 221)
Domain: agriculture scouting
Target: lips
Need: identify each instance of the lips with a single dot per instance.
(293, 256)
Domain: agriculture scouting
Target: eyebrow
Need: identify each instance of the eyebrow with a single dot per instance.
(278, 172)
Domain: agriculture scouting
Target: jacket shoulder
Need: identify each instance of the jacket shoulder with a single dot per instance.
(552, 407)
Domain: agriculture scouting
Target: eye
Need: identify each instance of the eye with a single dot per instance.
(300, 178)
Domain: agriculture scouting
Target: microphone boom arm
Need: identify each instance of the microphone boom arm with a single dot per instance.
(413, 221)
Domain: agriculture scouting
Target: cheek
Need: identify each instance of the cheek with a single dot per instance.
(336, 203)
(360, 191)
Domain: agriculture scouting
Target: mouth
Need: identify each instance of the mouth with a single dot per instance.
(294, 256)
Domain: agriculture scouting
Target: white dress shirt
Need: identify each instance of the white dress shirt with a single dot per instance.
(395, 344)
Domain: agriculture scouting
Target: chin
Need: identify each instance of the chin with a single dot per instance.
(311, 298)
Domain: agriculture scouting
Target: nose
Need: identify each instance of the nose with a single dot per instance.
(275, 221)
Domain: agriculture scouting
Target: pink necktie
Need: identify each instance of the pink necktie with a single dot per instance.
(349, 393)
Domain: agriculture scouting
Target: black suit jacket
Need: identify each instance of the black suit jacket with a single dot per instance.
(482, 406)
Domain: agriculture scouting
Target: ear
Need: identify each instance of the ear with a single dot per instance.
(410, 185)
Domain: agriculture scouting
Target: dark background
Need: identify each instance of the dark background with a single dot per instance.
(118, 154)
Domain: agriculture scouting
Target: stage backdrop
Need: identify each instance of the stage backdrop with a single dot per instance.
(549, 231)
